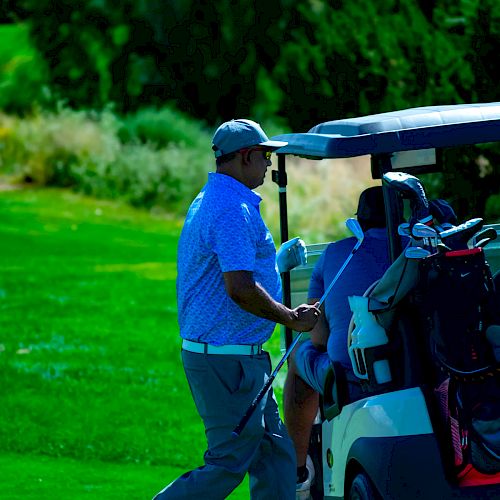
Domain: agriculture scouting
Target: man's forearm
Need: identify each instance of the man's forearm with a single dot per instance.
(257, 301)
(253, 298)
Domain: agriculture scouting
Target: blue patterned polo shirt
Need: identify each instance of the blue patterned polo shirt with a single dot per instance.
(223, 231)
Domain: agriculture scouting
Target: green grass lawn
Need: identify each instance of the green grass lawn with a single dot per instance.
(27, 476)
(94, 402)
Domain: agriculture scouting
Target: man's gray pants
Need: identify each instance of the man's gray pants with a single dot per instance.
(223, 387)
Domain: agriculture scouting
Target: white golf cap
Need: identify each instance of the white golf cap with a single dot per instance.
(239, 134)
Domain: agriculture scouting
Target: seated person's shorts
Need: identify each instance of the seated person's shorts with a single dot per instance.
(313, 366)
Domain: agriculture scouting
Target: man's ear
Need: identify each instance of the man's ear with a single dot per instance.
(245, 157)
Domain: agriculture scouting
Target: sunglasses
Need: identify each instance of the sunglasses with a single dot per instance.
(267, 153)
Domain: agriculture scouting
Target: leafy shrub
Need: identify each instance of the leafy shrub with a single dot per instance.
(162, 127)
(321, 196)
(492, 212)
(83, 150)
(45, 146)
(145, 176)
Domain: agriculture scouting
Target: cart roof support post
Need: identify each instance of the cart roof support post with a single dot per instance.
(279, 177)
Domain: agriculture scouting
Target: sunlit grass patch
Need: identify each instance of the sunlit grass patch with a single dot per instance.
(148, 270)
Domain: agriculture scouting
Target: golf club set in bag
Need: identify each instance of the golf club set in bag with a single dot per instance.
(439, 300)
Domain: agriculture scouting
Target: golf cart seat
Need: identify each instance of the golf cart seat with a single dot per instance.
(409, 363)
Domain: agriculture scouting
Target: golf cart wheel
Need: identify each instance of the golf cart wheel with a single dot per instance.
(482, 460)
(363, 489)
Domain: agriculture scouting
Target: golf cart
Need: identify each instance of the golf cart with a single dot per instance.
(396, 442)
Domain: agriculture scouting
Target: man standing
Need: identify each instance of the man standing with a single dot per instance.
(229, 292)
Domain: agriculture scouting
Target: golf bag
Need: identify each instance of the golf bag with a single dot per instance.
(458, 303)
(449, 299)
(439, 310)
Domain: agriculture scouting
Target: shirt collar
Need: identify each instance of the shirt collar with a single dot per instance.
(223, 181)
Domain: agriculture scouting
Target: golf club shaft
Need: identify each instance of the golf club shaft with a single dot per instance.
(341, 270)
(243, 422)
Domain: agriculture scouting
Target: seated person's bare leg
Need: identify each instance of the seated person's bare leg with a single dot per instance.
(301, 406)
(301, 402)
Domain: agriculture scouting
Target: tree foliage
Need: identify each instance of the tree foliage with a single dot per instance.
(297, 61)
(204, 55)
(306, 60)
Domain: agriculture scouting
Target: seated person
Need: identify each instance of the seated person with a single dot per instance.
(310, 362)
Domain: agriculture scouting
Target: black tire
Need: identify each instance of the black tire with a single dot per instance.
(482, 460)
(362, 488)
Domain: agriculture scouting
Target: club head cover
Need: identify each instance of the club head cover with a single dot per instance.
(443, 212)
(292, 253)
(457, 237)
(411, 188)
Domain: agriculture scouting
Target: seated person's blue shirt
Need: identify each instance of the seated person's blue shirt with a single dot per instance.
(366, 266)
(223, 232)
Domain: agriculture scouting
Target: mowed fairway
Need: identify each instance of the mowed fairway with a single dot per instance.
(93, 399)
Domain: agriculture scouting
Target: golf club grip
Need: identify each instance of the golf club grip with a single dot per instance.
(243, 422)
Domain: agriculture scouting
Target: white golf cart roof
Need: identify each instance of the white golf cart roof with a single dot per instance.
(405, 130)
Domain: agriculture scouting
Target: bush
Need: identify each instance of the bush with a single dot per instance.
(83, 150)
(163, 127)
(44, 147)
(145, 176)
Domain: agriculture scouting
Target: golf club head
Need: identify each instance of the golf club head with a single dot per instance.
(417, 253)
(482, 243)
(484, 236)
(404, 229)
(420, 230)
(355, 228)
